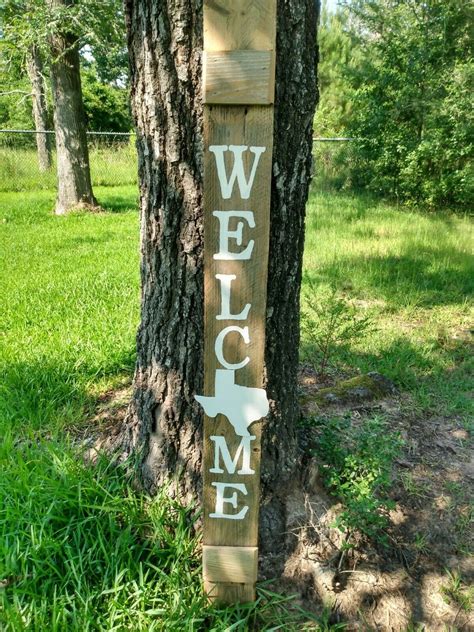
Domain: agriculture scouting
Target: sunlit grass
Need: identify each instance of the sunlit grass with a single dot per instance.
(413, 274)
(70, 303)
(82, 549)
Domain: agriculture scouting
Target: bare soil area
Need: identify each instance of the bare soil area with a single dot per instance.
(424, 579)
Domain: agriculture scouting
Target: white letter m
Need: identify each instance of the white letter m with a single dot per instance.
(220, 447)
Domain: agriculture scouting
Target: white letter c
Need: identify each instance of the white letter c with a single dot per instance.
(244, 332)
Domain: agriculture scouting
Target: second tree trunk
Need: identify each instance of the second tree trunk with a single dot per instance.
(74, 179)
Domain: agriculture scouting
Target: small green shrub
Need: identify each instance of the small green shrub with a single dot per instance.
(328, 321)
(356, 463)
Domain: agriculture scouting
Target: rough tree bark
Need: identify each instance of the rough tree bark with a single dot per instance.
(74, 180)
(40, 109)
(164, 423)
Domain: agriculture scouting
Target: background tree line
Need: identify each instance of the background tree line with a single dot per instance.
(397, 75)
(44, 39)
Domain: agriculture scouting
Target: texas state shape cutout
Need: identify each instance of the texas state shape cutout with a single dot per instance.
(242, 405)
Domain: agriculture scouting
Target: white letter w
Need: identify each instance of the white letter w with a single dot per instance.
(238, 173)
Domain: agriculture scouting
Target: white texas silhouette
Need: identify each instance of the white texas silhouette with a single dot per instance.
(242, 405)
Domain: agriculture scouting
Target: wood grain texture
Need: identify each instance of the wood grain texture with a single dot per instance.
(237, 27)
(230, 564)
(239, 77)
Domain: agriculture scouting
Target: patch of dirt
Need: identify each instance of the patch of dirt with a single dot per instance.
(96, 435)
(406, 585)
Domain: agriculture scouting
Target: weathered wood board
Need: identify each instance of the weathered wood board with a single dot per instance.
(238, 144)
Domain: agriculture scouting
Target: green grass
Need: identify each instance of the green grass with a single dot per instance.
(70, 305)
(81, 549)
(412, 274)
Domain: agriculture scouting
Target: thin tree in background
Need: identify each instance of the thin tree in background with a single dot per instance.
(51, 32)
(40, 108)
(74, 178)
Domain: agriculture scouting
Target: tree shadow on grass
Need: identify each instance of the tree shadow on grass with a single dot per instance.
(119, 203)
(429, 532)
(42, 396)
(411, 368)
(430, 277)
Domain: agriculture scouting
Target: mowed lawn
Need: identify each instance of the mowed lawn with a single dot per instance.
(80, 549)
(412, 275)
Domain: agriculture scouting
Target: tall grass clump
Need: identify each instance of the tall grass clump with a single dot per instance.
(82, 551)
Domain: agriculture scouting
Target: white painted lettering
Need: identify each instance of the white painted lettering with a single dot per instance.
(225, 234)
(238, 172)
(221, 449)
(226, 282)
(219, 347)
(221, 499)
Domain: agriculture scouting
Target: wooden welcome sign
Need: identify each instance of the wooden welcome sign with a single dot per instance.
(238, 93)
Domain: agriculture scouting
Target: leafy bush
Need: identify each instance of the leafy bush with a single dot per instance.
(398, 77)
(327, 321)
(107, 108)
(356, 464)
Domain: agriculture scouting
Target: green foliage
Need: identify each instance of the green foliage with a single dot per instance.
(337, 52)
(100, 31)
(80, 548)
(456, 591)
(27, 23)
(106, 106)
(356, 464)
(400, 81)
(328, 321)
(15, 99)
(69, 312)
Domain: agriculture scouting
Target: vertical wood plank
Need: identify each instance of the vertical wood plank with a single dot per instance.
(235, 25)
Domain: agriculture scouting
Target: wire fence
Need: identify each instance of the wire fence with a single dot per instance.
(113, 159)
(112, 155)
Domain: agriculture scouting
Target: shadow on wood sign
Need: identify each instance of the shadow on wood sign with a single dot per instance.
(238, 93)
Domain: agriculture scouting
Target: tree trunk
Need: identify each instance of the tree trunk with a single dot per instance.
(74, 180)
(164, 423)
(40, 110)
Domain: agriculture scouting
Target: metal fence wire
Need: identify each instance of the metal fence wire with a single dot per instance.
(113, 160)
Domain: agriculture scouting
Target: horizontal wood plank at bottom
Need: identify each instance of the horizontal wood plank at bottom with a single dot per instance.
(225, 593)
(230, 564)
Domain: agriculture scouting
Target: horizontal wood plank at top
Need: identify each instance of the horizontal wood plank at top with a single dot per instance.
(240, 77)
(230, 564)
